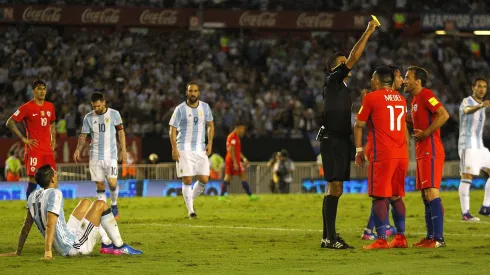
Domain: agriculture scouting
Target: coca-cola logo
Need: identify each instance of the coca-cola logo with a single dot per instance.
(105, 16)
(49, 14)
(322, 20)
(263, 19)
(166, 17)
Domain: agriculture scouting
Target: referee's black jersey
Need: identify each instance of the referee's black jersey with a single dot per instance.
(337, 103)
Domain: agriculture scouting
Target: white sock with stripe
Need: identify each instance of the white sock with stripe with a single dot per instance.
(198, 189)
(486, 199)
(103, 236)
(114, 195)
(464, 195)
(187, 194)
(109, 223)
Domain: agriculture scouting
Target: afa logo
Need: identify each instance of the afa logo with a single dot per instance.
(414, 109)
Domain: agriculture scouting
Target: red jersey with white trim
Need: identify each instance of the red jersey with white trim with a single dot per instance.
(424, 107)
(37, 121)
(233, 140)
(385, 112)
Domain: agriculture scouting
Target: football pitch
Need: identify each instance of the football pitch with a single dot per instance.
(279, 234)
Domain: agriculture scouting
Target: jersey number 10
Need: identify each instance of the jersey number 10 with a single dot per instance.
(398, 118)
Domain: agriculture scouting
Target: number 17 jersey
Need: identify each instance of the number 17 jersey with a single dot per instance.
(385, 112)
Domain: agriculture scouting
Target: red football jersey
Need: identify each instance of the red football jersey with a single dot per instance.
(37, 121)
(424, 106)
(233, 140)
(385, 112)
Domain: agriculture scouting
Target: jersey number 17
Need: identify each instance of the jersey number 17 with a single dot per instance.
(393, 110)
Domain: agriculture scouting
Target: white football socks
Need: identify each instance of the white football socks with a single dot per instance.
(101, 196)
(486, 199)
(114, 195)
(197, 189)
(187, 194)
(109, 223)
(103, 236)
(464, 195)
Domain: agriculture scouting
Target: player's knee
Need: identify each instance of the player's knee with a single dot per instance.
(203, 179)
(187, 180)
(85, 203)
(335, 189)
(100, 205)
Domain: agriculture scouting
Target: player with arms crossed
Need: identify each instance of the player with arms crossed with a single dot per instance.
(368, 233)
(189, 149)
(233, 162)
(102, 124)
(384, 110)
(472, 152)
(39, 119)
(45, 208)
(428, 116)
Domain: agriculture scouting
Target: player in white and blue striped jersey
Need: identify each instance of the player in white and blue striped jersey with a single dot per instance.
(102, 124)
(188, 126)
(79, 235)
(472, 152)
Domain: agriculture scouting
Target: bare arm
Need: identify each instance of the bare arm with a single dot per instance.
(173, 137)
(358, 132)
(209, 146)
(359, 47)
(48, 240)
(53, 135)
(231, 148)
(81, 143)
(122, 141)
(407, 140)
(24, 232)
(441, 117)
(242, 156)
(472, 109)
(409, 121)
(14, 129)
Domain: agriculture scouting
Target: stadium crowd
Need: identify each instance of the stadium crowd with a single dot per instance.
(274, 84)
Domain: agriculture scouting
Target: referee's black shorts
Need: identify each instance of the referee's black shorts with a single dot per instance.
(336, 154)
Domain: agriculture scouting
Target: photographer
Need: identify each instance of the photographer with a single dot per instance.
(283, 169)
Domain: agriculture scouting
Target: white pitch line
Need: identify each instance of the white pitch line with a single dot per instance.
(283, 229)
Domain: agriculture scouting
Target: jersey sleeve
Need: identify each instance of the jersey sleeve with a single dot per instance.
(465, 103)
(365, 110)
(430, 101)
(118, 123)
(86, 125)
(55, 201)
(209, 113)
(339, 73)
(176, 117)
(231, 140)
(21, 113)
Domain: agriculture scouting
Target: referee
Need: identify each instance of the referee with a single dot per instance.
(335, 146)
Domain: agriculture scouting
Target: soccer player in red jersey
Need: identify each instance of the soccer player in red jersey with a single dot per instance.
(233, 161)
(428, 115)
(384, 110)
(39, 119)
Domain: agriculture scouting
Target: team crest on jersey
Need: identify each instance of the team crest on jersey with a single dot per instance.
(107, 120)
(201, 113)
(48, 113)
(42, 113)
(415, 106)
(468, 168)
(33, 169)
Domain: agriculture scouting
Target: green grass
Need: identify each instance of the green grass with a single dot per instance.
(280, 234)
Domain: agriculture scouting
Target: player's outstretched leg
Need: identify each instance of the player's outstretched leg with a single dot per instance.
(188, 196)
(398, 211)
(198, 188)
(246, 187)
(114, 187)
(380, 214)
(485, 208)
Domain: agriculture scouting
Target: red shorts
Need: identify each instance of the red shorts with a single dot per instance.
(230, 171)
(386, 178)
(429, 173)
(35, 159)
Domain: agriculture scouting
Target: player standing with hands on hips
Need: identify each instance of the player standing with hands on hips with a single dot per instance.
(335, 134)
(189, 149)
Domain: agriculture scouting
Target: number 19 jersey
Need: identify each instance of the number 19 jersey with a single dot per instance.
(385, 111)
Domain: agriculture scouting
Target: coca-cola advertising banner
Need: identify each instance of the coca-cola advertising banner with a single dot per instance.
(65, 147)
(89, 15)
(140, 16)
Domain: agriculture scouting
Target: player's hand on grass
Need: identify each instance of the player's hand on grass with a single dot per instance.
(418, 134)
(76, 155)
(209, 149)
(175, 155)
(47, 258)
(360, 159)
(30, 142)
(10, 254)
(124, 156)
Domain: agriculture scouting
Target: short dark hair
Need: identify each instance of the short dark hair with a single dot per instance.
(97, 96)
(239, 123)
(385, 75)
(44, 175)
(479, 79)
(420, 73)
(191, 83)
(38, 82)
(12, 152)
(394, 68)
(330, 64)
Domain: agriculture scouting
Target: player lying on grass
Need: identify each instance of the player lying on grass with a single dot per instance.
(79, 235)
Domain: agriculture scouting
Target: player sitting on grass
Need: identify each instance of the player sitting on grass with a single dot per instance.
(79, 235)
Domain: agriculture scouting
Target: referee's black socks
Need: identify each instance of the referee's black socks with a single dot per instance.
(330, 204)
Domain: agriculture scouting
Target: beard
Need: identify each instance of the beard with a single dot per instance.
(192, 99)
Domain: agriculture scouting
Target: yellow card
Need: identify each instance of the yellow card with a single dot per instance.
(375, 19)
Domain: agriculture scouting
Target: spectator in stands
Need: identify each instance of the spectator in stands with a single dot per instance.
(12, 167)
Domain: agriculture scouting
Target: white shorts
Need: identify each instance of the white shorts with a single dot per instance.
(86, 234)
(192, 163)
(102, 169)
(473, 160)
